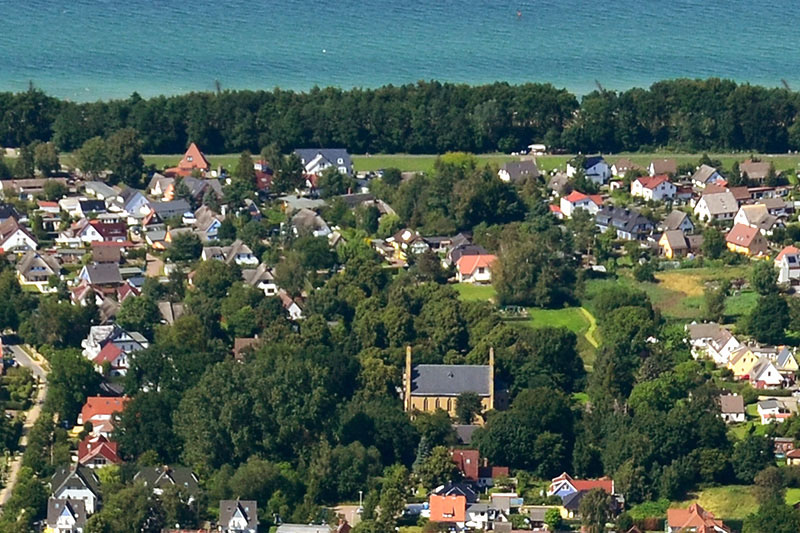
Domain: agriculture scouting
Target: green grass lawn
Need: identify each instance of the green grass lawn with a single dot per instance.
(413, 162)
(792, 496)
(575, 319)
(726, 502)
(470, 292)
(740, 304)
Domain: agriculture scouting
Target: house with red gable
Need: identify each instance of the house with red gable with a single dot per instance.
(97, 452)
(475, 268)
(116, 358)
(449, 509)
(695, 519)
(100, 411)
(264, 175)
(192, 160)
(578, 200)
(654, 188)
(564, 485)
(468, 462)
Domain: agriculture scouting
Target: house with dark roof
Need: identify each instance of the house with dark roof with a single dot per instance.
(677, 220)
(238, 516)
(8, 211)
(516, 171)
(431, 387)
(731, 408)
(315, 160)
(663, 166)
(160, 477)
(756, 171)
(65, 516)
(170, 209)
(720, 205)
(706, 175)
(674, 244)
(16, 238)
(628, 224)
(594, 168)
(622, 166)
(76, 482)
(103, 275)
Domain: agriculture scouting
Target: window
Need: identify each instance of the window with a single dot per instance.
(189, 159)
(340, 161)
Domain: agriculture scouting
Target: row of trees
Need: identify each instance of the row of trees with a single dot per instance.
(427, 117)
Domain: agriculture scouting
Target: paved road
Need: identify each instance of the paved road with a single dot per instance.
(31, 415)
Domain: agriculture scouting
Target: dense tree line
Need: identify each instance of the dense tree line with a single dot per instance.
(427, 117)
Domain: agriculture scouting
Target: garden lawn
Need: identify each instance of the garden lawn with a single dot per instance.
(470, 292)
(576, 319)
(726, 502)
(415, 163)
(792, 496)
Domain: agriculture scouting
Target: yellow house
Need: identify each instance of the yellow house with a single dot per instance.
(431, 387)
(745, 240)
(742, 361)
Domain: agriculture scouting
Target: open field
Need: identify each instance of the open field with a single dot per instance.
(726, 502)
(412, 162)
(470, 292)
(678, 294)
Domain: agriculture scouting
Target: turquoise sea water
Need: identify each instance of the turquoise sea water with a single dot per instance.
(91, 49)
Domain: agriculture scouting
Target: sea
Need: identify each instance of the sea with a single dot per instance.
(85, 50)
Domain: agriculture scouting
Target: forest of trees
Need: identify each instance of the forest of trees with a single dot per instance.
(427, 117)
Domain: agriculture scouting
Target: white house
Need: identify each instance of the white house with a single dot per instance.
(316, 160)
(595, 169)
(773, 411)
(76, 483)
(731, 408)
(16, 238)
(706, 175)
(757, 216)
(65, 516)
(713, 341)
(788, 263)
(475, 268)
(765, 375)
(578, 200)
(238, 516)
(716, 206)
(654, 188)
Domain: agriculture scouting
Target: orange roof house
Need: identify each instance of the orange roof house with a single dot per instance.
(743, 239)
(192, 160)
(475, 268)
(448, 508)
(98, 451)
(695, 519)
(99, 410)
(565, 484)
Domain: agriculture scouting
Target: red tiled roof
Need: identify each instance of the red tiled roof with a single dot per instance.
(597, 199)
(589, 484)
(102, 406)
(468, 264)
(467, 461)
(576, 196)
(448, 508)
(194, 158)
(43, 203)
(694, 518)
(554, 208)
(109, 353)
(92, 446)
(741, 235)
(651, 182)
(789, 250)
(793, 454)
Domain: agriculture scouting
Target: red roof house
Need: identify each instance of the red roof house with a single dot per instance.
(192, 160)
(468, 463)
(98, 451)
(100, 410)
(565, 484)
(475, 268)
(695, 518)
(743, 239)
(448, 508)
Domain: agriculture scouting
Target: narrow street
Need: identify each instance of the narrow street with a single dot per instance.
(30, 416)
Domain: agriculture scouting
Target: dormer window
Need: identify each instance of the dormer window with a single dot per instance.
(340, 161)
(189, 158)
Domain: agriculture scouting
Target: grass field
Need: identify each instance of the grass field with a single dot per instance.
(469, 292)
(412, 162)
(678, 294)
(728, 501)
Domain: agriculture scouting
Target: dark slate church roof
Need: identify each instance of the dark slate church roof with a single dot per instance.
(450, 380)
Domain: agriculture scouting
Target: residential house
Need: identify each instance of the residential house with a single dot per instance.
(622, 166)
(674, 244)
(238, 516)
(712, 340)
(9, 211)
(653, 188)
(578, 200)
(756, 171)
(457, 489)
(193, 160)
(788, 263)
(28, 188)
(238, 252)
(628, 224)
(786, 363)
(207, 223)
(96, 451)
(96, 230)
(88, 208)
(663, 166)
(565, 484)
(773, 411)
(407, 241)
(431, 387)
(757, 216)
(448, 509)
(103, 253)
(100, 190)
(457, 252)
(103, 275)
(291, 305)
(170, 209)
(468, 462)
(101, 412)
(116, 358)
(482, 517)
(475, 268)
(517, 171)
(315, 160)
(16, 238)
(130, 201)
(171, 311)
(782, 445)
(160, 477)
(746, 240)
(558, 184)
(793, 457)
(595, 169)
(261, 278)
(716, 206)
(243, 346)
(706, 175)
(742, 361)
(695, 519)
(79, 483)
(765, 375)
(731, 407)
(264, 175)
(65, 516)
(487, 474)
(308, 222)
(35, 269)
